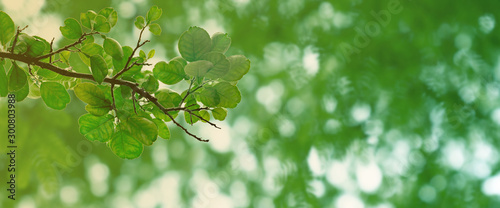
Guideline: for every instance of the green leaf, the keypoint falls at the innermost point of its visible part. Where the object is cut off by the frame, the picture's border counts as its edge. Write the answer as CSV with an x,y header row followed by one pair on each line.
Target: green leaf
x,y
229,95
142,129
198,68
155,29
4,84
181,60
169,73
125,146
7,28
151,85
96,128
86,20
163,130
22,93
168,98
142,54
91,94
99,68
34,90
220,42
151,53
191,117
110,14
17,78
219,113
239,66
113,48
194,43
205,115
119,64
90,50
88,40
35,48
220,62
72,29
101,24
98,110
153,14
45,73
209,97
139,22
54,95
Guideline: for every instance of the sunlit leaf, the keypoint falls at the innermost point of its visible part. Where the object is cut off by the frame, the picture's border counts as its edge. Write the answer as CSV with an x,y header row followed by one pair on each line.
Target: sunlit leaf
x,y
220,42
239,66
113,48
72,29
220,65
125,146
17,78
99,68
139,22
102,24
209,97
96,128
97,110
91,94
151,84
110,14
194,43
141,129
198,68
7,28
153,14
219,113
155,29
163,130
54,95
169,73
229,95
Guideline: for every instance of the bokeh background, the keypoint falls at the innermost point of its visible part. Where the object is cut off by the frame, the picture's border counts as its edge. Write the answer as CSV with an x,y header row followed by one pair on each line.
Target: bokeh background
x,y
348,104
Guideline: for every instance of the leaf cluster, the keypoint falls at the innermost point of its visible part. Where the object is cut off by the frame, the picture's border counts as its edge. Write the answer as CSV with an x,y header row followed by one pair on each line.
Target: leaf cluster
x,y
126,108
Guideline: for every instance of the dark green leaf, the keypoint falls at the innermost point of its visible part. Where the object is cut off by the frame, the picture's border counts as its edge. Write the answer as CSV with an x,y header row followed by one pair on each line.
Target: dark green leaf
x,y
194,43
91,94
209,97
229,95
17,78
153,14
4,83
163,130
22,93
125,146
198,68
113,48
220,42
151,84
139,22
90,50
119,64
155,29
220,62
101,24
239,66
7,28
99,68
219,113
97,110
96,128
72,29
169,73
142,129
54,95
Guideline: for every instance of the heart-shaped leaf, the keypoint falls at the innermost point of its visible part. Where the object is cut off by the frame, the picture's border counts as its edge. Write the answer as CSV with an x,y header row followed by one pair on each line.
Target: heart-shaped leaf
x,y
72,29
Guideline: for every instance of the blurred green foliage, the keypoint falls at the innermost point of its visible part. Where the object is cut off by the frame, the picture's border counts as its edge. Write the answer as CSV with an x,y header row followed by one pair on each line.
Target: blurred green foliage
x,y
408,120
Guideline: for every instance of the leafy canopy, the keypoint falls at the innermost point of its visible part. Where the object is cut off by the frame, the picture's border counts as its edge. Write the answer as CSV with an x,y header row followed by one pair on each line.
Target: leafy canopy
x,y
126,108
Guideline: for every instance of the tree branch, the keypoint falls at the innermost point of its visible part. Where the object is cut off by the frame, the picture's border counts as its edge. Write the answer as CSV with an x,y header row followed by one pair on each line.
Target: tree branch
x,y
65,48
134,86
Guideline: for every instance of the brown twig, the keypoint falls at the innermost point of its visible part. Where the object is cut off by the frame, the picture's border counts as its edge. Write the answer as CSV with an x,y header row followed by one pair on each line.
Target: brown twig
x,y
15,38
65,48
